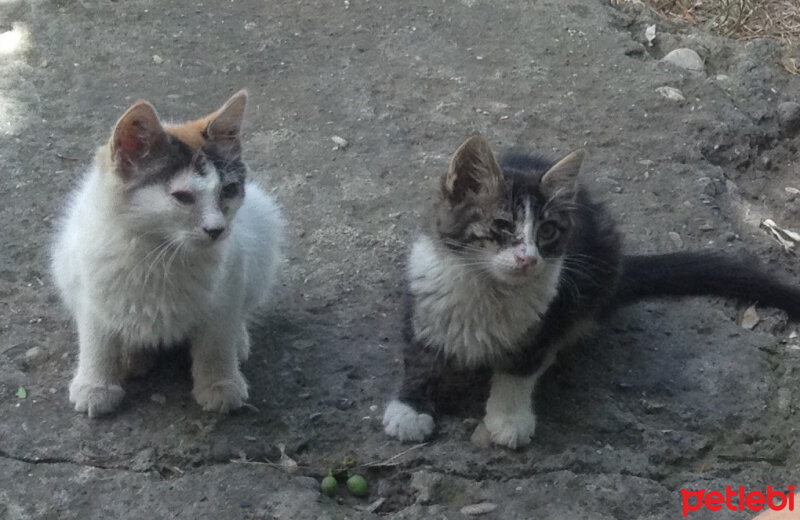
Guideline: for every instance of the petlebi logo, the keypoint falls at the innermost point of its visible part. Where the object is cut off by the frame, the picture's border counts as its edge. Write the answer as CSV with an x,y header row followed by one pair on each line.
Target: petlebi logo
x,y
738,499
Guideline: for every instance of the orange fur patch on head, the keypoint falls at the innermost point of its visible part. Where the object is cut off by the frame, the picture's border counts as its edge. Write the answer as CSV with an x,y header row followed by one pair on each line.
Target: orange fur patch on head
x,y
191,133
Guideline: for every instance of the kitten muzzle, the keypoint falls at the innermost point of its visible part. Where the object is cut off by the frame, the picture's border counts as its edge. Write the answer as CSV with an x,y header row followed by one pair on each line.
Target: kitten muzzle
x,y
214,233
525,261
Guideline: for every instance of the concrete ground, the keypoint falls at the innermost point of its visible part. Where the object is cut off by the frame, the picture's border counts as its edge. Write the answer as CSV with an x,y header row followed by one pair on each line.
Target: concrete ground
x,y
665,396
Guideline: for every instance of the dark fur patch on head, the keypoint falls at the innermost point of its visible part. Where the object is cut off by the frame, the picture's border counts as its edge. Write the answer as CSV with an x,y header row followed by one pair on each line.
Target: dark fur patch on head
x,y
553,213
495,218
166,158
144,152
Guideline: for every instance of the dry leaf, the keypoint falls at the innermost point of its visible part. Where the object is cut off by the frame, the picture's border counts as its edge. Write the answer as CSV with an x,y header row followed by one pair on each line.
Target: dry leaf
x,y
650,34
750,318
786,237
791,64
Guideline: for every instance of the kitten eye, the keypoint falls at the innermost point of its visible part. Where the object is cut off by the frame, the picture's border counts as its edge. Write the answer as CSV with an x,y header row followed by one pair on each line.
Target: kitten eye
x,y
504,225
230,191
184,197
547,232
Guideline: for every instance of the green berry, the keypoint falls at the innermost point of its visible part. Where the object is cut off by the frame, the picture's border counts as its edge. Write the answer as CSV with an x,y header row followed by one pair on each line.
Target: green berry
x,y
357,485
329,485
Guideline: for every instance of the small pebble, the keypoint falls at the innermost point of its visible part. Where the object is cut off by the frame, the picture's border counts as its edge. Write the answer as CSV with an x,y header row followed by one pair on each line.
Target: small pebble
x,y
750,318
340,142
33,353
478,509
158,60
671,93
685,59
307,482
676,239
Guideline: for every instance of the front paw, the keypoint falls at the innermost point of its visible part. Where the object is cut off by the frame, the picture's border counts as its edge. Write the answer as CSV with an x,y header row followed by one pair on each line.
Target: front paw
x,y
221,396
406,424
94,398
510,430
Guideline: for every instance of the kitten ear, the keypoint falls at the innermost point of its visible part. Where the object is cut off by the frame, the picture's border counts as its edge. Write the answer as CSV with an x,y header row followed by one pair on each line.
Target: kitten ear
x,y
473,169
225,125
562,178
135,135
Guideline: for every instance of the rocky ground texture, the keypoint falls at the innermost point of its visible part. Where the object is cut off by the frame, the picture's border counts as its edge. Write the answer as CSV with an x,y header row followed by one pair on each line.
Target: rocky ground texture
x,y
665,396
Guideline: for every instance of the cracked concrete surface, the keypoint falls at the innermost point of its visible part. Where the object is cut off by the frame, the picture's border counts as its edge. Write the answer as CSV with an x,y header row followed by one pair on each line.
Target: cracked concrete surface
x,y
665,396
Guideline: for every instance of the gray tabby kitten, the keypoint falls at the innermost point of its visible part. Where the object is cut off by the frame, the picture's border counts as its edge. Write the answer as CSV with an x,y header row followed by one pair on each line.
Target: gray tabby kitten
x,y
519,262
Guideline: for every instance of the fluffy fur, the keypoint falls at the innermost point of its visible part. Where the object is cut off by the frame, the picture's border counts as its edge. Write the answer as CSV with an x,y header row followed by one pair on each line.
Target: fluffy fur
x,y
519,263
165,241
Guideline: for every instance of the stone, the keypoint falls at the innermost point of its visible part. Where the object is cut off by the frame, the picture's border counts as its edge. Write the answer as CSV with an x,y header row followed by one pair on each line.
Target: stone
x,y
685,59
789,117
676,239
671,93
33,353
478,509
307,482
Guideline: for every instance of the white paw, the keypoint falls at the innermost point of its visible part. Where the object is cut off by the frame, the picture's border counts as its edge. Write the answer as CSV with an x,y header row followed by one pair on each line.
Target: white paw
x,y
94,398
405,423
511,430
222,396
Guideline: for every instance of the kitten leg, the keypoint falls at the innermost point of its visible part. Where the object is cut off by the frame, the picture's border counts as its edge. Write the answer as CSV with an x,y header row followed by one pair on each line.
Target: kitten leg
x,y
243,350
96,388
409,417
219,385
509,410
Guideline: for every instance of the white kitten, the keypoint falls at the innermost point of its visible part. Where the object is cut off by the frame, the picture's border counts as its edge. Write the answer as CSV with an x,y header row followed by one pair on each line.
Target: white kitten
x,y
165,241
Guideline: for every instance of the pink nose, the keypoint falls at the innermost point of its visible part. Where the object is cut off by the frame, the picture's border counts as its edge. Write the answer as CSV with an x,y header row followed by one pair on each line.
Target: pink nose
x,y
525,260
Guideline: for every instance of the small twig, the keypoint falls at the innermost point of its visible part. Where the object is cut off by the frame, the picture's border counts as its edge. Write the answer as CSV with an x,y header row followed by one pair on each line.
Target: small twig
x,y
388,462
259,463
66,157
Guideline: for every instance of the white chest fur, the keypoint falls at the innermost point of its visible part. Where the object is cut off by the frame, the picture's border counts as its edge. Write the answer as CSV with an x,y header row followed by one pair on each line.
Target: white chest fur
x,y
152,300
146,293
472,317
143,292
